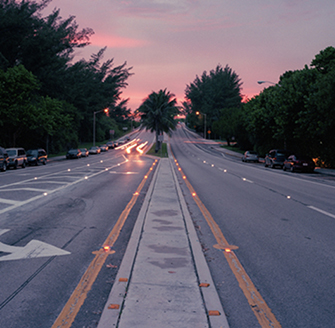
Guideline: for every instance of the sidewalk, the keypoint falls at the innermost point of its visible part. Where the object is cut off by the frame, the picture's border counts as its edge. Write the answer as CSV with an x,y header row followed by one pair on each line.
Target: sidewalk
x,y
158,283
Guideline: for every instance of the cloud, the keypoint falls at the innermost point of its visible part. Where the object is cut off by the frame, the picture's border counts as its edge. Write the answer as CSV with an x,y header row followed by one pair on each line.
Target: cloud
x,y
154,8
113,41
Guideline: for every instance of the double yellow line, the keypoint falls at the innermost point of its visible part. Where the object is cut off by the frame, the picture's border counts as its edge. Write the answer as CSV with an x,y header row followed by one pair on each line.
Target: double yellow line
x,y
259,307
73,305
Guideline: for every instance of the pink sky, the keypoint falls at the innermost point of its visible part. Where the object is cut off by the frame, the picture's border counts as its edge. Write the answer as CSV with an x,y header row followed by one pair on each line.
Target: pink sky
x,y
169,42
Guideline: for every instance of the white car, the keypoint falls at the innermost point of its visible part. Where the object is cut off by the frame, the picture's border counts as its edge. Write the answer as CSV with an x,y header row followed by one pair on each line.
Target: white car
x,y
250,156
16,157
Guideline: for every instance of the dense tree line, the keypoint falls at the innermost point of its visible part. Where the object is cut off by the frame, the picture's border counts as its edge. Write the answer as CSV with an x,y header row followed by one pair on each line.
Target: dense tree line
x,y
47,100
208,95
298,113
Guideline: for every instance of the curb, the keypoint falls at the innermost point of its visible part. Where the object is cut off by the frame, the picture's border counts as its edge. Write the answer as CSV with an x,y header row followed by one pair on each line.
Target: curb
x,y
210,295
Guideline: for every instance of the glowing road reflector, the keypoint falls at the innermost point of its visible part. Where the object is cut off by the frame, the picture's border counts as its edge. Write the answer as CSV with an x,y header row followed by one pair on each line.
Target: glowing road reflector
x,y
69,170
45,194
101,161
113,306
194,194
179,169
229,248
288,197
106,248
106,169
145,177
225,171
86,178
184,177
35,178
212,165
88,164
214,313
136,193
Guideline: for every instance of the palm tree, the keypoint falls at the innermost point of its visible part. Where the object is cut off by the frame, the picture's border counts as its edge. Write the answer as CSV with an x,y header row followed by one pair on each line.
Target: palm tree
x,y
158,113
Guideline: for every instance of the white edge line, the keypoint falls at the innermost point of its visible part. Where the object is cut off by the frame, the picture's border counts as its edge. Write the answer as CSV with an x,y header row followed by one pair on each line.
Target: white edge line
x,y
321,211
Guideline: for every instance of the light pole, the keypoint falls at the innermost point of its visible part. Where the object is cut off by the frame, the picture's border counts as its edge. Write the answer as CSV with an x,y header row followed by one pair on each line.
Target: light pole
x,y
99,111
261,82
205,132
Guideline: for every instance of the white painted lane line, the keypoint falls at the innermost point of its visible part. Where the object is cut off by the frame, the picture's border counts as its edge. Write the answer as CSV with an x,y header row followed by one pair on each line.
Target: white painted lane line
x,y
2,231
9,201
26,189
322,211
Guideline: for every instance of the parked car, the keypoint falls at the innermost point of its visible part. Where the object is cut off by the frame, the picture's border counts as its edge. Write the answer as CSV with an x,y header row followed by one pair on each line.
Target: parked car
x,y
36,156
16,157
276,157
299,163
84,152
103,147
73,153
94,150
250,156
110,144
3,159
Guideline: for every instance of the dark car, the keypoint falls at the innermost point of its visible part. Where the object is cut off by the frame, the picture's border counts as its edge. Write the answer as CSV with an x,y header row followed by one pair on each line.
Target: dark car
x,y
16,157
250,156
37,156
3,159
276,157
73,153
299,163
84,152
110,144
103,147
94,150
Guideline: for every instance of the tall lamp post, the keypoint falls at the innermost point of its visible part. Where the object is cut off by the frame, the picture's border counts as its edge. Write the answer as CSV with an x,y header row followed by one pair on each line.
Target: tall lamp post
x,y
261,82
205,132
99,111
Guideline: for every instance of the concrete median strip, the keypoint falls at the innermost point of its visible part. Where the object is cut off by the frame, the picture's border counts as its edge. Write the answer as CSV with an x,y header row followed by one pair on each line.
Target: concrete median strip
x,y
163,280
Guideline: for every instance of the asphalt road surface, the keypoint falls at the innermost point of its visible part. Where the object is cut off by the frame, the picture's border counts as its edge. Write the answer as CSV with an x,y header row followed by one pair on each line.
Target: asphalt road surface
x,y
55,219
283,225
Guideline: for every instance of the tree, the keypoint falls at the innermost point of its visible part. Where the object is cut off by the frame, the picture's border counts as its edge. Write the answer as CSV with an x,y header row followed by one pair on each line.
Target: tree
x,y
212,92
158,113
44,47
18,99
227,125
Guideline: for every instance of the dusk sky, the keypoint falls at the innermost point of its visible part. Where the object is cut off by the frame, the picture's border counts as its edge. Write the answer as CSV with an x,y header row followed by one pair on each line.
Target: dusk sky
x,y
169,42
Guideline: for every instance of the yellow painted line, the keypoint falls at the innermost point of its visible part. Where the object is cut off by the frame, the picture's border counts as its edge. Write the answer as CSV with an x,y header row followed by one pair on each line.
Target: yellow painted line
x,y
73,305
259,307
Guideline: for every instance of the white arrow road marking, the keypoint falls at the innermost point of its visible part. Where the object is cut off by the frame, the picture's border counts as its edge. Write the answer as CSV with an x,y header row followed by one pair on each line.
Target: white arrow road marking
x,y
33,249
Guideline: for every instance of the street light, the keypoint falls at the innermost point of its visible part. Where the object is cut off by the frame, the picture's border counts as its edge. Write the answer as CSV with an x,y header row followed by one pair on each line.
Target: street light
x,y
261,82
99,111
205,132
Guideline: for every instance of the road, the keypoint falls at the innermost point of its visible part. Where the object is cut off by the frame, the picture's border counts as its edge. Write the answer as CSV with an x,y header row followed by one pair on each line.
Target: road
x,y
55,219
283,225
